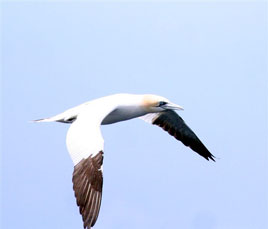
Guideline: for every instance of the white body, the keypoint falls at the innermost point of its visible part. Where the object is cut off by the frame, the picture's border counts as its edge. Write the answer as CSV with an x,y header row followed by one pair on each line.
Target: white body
x,y
84,135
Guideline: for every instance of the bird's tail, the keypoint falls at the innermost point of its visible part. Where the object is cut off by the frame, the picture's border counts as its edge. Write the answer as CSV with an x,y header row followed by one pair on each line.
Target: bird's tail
x,y
58,118
45,120
68,116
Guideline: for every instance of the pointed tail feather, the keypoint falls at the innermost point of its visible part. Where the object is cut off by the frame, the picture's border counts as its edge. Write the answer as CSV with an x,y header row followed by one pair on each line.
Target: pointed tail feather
x,y
44,120
57,118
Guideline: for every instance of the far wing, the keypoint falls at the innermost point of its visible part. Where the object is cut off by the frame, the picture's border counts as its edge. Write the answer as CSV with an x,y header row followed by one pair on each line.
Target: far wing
x,y
171,122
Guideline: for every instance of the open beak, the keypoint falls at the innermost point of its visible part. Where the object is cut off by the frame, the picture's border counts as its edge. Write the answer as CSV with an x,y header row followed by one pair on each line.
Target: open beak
x,y
173,106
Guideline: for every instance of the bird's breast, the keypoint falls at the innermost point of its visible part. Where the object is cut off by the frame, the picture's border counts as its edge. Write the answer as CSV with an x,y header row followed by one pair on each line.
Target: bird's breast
x,y
123,113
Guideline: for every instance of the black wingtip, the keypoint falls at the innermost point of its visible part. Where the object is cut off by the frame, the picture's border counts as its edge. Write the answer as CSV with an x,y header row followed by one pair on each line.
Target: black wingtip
x,y
211,157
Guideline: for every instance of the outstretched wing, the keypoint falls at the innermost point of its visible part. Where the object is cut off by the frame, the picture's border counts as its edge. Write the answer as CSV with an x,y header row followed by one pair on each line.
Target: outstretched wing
x,y
171,122
87,185
85,145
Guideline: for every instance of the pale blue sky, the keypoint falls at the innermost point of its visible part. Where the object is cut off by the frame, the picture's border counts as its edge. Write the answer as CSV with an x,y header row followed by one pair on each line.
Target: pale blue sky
x,y
210,58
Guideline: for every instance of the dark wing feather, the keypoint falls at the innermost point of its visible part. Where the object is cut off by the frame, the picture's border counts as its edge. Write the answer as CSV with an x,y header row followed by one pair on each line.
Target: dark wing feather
x,y
87,185
171,122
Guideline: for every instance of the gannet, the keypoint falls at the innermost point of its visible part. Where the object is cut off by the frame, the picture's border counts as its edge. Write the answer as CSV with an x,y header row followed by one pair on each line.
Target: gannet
x,y
85,142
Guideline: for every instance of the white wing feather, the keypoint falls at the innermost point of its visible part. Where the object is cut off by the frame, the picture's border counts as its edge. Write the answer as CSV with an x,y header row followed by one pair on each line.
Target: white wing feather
x,y
149,118
84,136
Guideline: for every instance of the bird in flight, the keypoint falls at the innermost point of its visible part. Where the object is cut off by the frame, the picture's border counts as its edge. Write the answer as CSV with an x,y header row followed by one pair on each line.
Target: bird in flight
x,y
85,142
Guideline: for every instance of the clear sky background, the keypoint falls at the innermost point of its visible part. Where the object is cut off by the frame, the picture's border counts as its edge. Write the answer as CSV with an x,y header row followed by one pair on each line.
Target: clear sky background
x,y
210,58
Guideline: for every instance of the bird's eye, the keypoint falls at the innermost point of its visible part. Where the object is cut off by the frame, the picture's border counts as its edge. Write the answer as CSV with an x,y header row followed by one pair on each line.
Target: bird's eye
x,y
162,103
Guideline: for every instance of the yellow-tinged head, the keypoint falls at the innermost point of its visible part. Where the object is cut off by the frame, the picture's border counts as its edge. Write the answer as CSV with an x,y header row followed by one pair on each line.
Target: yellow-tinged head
x,y
155,103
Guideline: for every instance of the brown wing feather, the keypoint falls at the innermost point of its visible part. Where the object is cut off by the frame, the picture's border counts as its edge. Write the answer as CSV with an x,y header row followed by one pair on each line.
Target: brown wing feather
x,y
171,122
87,185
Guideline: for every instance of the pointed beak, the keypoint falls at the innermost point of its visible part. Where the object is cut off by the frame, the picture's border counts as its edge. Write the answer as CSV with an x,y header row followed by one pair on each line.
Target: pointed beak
x,y
173,106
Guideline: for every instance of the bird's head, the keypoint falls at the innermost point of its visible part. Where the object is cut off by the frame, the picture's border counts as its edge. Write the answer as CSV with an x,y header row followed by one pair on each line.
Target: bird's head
x,y
155,103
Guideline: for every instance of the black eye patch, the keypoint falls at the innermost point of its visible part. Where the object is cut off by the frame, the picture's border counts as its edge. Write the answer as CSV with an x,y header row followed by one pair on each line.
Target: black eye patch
x,y
162,103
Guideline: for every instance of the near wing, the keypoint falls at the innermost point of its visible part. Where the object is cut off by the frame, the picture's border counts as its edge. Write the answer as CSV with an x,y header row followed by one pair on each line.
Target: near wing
x,y
171,122
87,185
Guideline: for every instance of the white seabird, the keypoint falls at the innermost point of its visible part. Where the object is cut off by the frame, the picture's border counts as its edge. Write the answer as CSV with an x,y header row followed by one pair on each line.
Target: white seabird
x,y
85,142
